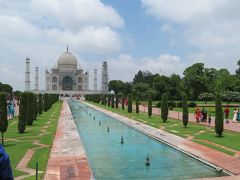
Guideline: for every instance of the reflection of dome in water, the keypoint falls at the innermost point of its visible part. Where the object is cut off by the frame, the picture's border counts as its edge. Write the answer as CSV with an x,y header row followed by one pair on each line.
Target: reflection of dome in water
x,y
67,60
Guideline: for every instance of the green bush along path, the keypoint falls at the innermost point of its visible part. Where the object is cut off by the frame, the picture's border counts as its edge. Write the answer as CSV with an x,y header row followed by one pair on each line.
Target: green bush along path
x,y
37,137
195,132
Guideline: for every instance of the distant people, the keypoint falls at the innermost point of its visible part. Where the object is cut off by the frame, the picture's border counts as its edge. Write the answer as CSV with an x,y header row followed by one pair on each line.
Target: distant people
x,y
126,101
226,113
238,116
209,120
5,168
197,114
235,115
204,115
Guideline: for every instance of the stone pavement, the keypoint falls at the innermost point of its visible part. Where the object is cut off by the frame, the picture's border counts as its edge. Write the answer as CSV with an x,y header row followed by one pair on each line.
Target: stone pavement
x,y
68,160
218,159
232,126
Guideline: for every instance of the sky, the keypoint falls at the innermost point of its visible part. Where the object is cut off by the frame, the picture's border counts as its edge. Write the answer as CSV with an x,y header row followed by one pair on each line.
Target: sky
x,y
161,36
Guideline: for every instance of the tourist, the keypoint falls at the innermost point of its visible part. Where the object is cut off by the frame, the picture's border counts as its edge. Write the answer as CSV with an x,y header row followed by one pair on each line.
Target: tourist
x,y
197,114
204,115
235,115
209,120
5,168
226,112
238,116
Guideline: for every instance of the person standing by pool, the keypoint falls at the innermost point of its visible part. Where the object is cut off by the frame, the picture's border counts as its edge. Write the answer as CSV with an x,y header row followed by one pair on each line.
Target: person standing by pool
x,y
235,115
226,113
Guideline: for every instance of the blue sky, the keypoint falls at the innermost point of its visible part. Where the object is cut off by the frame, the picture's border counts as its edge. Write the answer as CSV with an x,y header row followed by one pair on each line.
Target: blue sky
x,y
162,36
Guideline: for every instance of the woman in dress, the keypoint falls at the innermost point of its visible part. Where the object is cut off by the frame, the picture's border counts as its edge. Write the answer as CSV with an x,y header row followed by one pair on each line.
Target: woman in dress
x,y
235,115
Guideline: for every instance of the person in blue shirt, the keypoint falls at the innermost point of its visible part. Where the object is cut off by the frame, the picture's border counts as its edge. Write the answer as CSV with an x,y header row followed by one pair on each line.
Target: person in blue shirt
x,y
5,168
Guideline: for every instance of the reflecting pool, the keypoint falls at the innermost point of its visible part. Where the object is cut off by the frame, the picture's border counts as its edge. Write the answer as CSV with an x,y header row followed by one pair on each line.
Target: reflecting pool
x,y
111,159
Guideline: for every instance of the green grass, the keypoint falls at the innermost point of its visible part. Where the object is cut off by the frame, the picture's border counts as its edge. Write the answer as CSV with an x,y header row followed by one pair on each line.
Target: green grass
x,y
197,131
16,145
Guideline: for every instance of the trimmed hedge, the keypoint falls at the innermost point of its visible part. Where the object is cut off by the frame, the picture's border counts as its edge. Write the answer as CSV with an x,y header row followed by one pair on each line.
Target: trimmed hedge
x,y
3,115
164,107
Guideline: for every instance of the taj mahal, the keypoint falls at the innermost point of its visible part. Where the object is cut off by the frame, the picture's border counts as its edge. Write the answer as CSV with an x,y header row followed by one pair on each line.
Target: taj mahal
x,y
67,76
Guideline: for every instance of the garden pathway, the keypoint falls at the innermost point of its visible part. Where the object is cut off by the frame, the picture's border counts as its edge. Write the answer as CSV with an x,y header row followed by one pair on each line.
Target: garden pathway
x,y
233,126
68,159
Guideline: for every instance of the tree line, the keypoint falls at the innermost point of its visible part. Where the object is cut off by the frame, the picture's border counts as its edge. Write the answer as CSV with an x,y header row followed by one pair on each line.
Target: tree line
x,y
196,80
31,106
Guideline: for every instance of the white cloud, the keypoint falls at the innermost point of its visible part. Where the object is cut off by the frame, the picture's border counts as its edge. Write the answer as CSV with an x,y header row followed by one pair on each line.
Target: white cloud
x,y
125,66
42,30
210,27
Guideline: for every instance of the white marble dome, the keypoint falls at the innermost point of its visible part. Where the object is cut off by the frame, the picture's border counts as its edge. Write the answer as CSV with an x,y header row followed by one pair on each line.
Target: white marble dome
x,y
67,60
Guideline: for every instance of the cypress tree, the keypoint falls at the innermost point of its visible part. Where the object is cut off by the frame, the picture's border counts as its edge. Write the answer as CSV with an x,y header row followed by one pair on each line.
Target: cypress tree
x,y
40,104
45,102
129,103
123,98
149,105
30,109
137,105
35,107
164,107
23,113
218,117
3,115
117,101
185,111
109,100
112,101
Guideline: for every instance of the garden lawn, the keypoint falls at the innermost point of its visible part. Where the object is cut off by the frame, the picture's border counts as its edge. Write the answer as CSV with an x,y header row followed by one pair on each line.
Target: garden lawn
x,y
42,131
198,133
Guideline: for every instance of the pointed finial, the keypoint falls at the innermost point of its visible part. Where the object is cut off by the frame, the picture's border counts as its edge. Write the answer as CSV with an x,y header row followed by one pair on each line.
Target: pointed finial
x,y
67,48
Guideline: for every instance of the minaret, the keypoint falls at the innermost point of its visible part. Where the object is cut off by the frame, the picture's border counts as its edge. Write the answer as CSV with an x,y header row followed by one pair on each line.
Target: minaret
x,y
27,75
36,79
95,80
104,77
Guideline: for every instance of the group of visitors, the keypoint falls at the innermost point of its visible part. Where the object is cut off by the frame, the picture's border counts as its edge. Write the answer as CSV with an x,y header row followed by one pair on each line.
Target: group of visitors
x,y
201,115
11,107
236,115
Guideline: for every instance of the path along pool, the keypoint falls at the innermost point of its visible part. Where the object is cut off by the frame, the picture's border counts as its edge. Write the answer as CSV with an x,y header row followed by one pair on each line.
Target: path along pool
x,y
109,159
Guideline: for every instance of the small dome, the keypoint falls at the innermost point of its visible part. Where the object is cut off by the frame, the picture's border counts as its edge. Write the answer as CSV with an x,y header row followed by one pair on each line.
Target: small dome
x,y
67,60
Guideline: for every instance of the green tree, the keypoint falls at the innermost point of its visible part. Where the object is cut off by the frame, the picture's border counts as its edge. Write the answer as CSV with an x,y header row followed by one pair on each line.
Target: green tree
x,y
6,88
35,107
143,77
164,107
218,116
238,69
127,88
3,115
149,105
185,111
116,86
30,109
141,90
40,104
117,101
129,103
23,112
109,100
112,101
45,102
137,105
123,101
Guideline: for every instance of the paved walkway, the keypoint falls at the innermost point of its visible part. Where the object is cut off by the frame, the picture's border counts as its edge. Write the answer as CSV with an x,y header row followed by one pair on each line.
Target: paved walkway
x,y
211,156
233,126
68,160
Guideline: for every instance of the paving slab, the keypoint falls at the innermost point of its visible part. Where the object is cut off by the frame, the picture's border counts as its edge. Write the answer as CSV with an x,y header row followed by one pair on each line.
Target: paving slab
x,y
68,160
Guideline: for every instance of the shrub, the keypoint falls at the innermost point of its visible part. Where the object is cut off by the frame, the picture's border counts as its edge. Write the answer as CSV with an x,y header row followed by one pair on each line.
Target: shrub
x,y
149,106
3,115
123,101
172,104
218,117
130,103
112,101
40,104
159,104
185,111
192,104
23,113
179,104
45,102
164,107
117,101
35,107
206,97
109,100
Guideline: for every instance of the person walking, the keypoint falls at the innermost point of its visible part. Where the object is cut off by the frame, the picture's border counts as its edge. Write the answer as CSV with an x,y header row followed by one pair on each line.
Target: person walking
x,y
197,115
226,113
238,116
